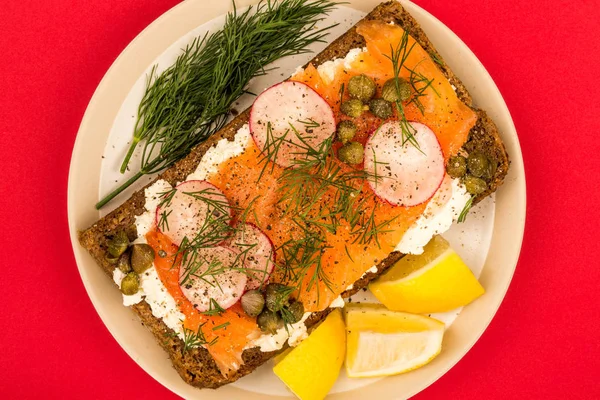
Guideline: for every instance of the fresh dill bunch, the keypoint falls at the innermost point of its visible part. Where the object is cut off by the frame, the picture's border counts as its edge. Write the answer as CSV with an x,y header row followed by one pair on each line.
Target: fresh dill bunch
x,y
191,100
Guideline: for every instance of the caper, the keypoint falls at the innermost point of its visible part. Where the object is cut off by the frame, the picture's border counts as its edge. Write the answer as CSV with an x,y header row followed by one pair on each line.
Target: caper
x,y
142,256
457,166
351,153
391,92
277,296
124,262
253,302
361,87
269,321
296,311
381,108
111,259
478,164
475,185
130,284
118,244
346,131
353,108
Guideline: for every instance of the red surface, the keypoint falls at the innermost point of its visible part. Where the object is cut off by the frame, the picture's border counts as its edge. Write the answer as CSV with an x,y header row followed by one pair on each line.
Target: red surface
x,y
544,56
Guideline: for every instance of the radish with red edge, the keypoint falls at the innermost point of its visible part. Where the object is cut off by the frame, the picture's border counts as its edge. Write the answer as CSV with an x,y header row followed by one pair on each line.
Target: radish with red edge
x,y
213,274
282,106
184,213
257,252
403,174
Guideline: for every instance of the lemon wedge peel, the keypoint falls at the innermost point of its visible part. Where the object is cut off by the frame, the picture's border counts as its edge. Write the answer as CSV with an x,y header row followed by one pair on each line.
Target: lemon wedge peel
x,y
442,284
312,368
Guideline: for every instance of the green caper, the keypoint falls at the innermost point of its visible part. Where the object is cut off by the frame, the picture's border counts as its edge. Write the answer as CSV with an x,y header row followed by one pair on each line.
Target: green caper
x,y
253,302
118,244
277,296
457,166
111,260
269,321
351,153
346,131
392,93
296,311
130,284
478,164
353,108
381,108
361,87
475,185
124,262
142,256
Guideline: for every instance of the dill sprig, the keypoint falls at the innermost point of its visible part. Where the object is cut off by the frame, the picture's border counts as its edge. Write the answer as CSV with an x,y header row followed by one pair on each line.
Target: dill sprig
x,y
419,83
436,58
214,309
222,326
398,57
463,214
192,340
190,100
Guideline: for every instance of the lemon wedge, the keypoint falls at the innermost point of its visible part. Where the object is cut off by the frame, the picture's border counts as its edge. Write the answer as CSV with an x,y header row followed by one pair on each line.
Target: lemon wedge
x,y
382,342
310,369
435,281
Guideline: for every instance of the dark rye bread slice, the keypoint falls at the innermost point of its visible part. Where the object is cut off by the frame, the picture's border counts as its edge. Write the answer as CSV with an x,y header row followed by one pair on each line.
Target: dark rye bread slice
x,y
197,367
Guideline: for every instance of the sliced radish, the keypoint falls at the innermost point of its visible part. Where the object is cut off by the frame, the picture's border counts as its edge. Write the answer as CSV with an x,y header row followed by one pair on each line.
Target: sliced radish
x,y
406,176
186,213
282,106
257,252
211,276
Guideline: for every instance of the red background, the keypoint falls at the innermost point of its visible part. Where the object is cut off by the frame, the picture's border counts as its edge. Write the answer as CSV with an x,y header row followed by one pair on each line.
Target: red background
x,y
543,55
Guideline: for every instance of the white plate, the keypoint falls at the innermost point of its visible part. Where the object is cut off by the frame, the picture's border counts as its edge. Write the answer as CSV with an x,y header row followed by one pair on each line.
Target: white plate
x,y
489,245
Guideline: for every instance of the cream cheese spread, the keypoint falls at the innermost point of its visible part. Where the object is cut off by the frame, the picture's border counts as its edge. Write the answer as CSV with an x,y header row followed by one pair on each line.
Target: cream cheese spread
x,y
434,220
328,69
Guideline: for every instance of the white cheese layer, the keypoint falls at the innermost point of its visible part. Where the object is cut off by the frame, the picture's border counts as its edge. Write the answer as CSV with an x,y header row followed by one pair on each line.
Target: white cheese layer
x,y
161,303
223,151
293,334
434,220
145,222
328,69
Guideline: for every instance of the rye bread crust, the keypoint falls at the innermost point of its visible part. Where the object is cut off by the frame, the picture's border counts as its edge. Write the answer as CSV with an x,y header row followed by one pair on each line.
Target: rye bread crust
x,y
197,367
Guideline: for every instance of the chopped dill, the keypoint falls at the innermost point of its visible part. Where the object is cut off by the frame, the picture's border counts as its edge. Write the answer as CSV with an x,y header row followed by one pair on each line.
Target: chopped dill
x,y
192,340
214,309
222,326
463,214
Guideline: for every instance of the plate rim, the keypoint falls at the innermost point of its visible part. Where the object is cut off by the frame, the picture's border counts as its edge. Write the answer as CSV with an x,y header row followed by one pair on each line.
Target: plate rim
x,y
126,55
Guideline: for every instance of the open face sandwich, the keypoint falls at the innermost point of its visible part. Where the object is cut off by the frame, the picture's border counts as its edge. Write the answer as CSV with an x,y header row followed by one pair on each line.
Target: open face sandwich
x,y
314,191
